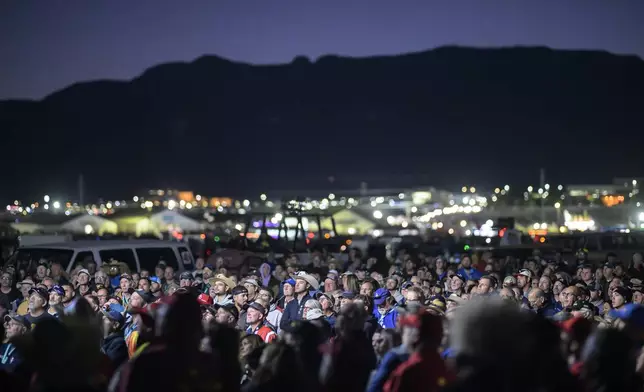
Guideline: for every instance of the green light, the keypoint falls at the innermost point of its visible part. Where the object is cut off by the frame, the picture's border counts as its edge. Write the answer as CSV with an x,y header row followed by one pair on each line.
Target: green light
x,y
466,247
217,238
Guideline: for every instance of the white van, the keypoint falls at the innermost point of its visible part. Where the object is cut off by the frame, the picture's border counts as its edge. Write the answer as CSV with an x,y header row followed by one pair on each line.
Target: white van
x,y
137,254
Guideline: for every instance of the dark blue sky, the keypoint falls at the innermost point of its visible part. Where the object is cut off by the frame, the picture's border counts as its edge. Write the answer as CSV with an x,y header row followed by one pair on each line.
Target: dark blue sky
x,y
46,45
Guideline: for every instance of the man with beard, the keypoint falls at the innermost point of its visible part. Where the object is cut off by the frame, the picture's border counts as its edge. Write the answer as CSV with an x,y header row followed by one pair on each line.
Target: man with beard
x,y
56,295
70,294
220,287
240,300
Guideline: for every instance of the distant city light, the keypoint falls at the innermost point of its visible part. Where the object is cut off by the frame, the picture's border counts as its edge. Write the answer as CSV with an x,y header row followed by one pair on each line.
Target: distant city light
x,y
46,198
464,189
262,197
472,189
530,188
331,196
88,229
463,223
135,199
56,205
560,187
377,214
557,205
46,206
506,188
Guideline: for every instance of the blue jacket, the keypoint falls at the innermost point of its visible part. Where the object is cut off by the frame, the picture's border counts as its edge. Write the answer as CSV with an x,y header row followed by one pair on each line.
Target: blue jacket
x,y
293,311
547,311
471,273
389,319
388,364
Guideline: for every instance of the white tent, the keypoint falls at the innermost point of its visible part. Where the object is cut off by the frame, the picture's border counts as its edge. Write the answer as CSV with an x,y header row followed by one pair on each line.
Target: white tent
x,y
169,220
90,224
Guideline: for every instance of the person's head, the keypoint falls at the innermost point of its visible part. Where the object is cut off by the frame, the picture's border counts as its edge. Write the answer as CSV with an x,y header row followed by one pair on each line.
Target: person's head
x,y
227,315
83,277
255,314
137,300
384,340
252,286
16,326
330,283
248,343
391,283
301,286
586,273
466,262
507,294
524,278
309,305
69,292
102,294
558,286
457,283
545,284
26,286
638,296
38,299
366,288
265,294
113,319
185,279
124,283
6,280
56,269
327,302
100,278
144,284
41,271
620,297
537,299
240,295
289,288
486,285
414,296
56,295
568,296
383,300
168,274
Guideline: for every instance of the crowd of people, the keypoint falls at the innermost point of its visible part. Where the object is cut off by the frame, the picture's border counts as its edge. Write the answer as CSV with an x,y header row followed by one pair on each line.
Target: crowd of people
x,y
415,323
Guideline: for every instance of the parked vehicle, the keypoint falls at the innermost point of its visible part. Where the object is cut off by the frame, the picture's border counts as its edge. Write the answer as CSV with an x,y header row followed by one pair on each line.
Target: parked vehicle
x,y
137,254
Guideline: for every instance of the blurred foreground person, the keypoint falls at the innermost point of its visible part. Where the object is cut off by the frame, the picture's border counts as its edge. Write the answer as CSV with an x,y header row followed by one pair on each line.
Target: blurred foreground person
x,y
349,359
425,369
278,366
485,361
609,358
173,361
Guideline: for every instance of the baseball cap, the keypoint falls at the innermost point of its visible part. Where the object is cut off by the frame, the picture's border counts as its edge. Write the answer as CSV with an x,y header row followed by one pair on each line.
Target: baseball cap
x,y
459,276
380,296
289,281
58,290
146,296
239,290
19,319
251,281
258,307
155,279
327,296
204,299
84,271
630,313
115,313
186,275
511,280
230,308
41,292
525,272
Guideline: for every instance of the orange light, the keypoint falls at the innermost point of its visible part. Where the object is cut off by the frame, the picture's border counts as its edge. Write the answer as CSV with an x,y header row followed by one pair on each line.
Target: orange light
x,y
349,242
327,235
202,236
310,235
542,240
